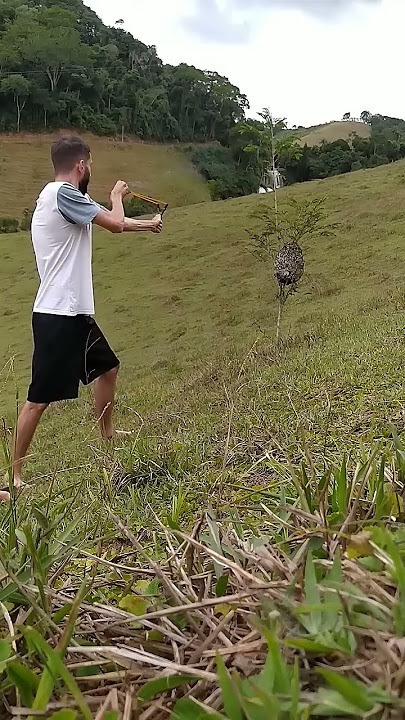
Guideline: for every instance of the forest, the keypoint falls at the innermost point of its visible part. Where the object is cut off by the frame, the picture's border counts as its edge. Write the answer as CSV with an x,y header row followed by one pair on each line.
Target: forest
x,y
61,66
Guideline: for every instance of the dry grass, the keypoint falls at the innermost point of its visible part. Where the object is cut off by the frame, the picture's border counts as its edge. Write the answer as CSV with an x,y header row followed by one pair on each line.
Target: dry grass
x,y
162,171
336,131
301,589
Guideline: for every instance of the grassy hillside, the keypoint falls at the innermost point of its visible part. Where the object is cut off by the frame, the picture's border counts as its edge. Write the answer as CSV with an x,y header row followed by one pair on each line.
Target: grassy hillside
x,y
161,171
163,300
334,131
291,448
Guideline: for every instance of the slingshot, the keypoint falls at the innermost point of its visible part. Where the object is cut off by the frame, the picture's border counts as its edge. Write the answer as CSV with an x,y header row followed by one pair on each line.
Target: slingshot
x,y
159,203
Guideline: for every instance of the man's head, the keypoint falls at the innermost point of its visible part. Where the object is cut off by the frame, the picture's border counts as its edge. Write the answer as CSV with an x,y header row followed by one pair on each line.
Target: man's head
x,y
71,156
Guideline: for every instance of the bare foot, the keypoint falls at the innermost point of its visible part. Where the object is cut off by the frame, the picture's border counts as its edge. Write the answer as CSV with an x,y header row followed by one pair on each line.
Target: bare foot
x,y
4,496
119,434
17,482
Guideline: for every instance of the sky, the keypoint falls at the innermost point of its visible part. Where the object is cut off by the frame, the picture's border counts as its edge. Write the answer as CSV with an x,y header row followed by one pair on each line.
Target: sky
x,y
310,61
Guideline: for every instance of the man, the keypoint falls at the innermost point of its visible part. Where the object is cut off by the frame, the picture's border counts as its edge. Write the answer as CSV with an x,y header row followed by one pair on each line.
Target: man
x,y
69,347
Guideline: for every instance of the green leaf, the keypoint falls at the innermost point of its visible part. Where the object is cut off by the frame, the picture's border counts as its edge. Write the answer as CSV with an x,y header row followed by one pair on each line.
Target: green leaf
x,y
351,690
173,525
311,584
134,604
295,691
64,715
214,542
399,610
40,517
62,613
111,715
306,485
24,680
153,587
282,679
5,650
57,668
187,709
334,606
330,703
222,586
323,482
317,647
48,678
231,703
84,671
257,701
342,488
161,685
313,623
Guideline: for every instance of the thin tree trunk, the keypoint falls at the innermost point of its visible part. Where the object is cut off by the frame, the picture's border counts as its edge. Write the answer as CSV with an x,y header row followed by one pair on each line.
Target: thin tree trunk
x,y
20,107
280,311
17,102
273,157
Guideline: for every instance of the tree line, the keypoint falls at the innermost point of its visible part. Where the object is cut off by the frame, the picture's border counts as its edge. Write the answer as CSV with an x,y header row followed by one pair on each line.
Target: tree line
x,y
61,66
254,144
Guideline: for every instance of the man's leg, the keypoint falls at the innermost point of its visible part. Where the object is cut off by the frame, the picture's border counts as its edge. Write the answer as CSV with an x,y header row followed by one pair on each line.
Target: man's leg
x,y
27,424
104,394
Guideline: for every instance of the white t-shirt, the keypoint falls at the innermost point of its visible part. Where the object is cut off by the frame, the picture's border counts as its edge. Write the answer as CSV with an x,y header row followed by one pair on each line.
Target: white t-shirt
x,y
62,239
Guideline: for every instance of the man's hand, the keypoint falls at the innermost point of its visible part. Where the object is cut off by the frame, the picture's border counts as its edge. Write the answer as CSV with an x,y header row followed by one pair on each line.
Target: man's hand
x,y
157,224
120,189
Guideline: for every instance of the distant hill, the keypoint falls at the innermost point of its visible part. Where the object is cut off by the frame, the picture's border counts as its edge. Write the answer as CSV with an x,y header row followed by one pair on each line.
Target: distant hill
x,y
334,131
162,171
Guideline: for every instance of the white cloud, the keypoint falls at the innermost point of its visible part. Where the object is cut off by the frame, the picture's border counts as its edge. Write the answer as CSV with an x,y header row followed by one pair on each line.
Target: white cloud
x,y
213,23
302,67
216,21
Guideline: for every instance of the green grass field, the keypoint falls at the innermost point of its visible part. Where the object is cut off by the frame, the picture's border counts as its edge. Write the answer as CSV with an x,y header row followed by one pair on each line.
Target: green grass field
x,y
175,306
160,171
224,418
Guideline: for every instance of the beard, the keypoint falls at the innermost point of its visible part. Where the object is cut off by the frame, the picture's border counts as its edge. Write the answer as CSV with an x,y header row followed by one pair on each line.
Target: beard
x,y
84,182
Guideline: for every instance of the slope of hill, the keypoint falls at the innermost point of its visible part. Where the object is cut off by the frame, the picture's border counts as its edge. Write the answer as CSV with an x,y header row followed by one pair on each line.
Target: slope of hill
x,y
291,447
197,287
334,131
161,171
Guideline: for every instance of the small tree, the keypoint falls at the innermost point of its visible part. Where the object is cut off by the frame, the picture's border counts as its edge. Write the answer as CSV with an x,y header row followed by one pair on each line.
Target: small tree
x,y
347,116
19,87
268,147
366,117
280,239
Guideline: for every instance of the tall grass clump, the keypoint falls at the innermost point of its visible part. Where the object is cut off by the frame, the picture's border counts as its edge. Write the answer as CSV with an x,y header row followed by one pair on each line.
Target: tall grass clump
x,y
289,597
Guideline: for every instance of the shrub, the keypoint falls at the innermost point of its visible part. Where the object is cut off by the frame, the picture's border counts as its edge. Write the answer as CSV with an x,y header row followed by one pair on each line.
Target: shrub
x,y
134,207
357,166
377,160
225,177
9,225
100,124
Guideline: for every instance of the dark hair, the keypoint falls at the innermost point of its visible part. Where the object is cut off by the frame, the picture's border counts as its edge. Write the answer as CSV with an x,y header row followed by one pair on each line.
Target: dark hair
x,y
67,150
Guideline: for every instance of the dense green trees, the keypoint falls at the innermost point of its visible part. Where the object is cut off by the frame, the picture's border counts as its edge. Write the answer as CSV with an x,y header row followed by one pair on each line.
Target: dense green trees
x,y
386,144
59,64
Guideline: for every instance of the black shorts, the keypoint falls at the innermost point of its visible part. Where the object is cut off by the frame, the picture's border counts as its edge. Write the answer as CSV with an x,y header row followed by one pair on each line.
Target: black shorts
x,y
67,351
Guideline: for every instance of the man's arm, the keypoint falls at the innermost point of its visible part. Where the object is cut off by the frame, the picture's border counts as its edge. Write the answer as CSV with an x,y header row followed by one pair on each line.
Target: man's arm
x,y
135,225
114,219
79,209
